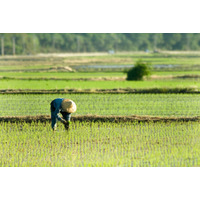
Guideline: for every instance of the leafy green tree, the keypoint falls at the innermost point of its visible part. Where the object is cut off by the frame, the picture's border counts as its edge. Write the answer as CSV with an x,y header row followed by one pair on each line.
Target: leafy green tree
x,y
32,43
140,70
171,40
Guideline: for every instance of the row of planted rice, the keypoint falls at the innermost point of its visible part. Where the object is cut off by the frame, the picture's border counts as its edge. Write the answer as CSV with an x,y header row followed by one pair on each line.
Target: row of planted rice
x,y
100,144
104,104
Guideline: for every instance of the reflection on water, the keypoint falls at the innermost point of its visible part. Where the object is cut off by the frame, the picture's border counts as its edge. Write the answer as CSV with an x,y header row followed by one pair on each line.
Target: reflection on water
x,y
165,66
118,66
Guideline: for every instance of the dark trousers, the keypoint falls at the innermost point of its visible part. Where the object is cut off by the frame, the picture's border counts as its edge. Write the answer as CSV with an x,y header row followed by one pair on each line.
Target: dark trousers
x,y
54,116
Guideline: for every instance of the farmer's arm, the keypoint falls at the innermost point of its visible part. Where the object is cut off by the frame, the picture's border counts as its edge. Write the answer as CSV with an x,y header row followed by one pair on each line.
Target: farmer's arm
x,y
56,112
66,116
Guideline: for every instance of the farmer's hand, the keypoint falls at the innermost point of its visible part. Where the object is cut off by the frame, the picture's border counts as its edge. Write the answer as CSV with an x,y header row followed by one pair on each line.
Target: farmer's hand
x,y
63,121
67,125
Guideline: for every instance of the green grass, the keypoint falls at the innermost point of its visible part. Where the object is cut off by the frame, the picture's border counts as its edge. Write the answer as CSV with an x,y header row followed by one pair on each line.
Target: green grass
x,y
104,104
66,75
79,75
100,145
23,67
175,73
60,84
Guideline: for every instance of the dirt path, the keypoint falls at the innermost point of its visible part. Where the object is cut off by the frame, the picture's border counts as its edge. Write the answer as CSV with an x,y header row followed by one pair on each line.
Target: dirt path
x,y
65,79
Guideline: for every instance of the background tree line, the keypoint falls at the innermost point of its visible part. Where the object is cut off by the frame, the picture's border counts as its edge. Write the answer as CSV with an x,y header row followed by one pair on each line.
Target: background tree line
x,y
31,43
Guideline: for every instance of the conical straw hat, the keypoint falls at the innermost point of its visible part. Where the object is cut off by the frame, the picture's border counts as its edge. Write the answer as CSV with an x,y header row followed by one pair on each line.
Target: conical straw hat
x,y
68,106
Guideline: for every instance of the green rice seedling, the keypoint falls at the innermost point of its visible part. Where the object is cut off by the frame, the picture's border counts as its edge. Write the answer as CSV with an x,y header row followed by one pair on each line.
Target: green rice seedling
x,y
74,84
100,144
104,104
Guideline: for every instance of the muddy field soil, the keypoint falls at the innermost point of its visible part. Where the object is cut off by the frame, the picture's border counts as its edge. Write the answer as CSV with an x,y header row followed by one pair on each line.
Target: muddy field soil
x,y
97,118
104,91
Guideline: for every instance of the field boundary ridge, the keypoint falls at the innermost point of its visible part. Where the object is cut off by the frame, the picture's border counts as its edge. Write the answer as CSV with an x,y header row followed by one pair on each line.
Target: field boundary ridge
x,y
98,118
104,91
63,79
152,77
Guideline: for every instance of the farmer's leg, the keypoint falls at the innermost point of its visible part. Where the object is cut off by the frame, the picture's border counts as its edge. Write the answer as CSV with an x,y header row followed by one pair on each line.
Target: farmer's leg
x,y
53,118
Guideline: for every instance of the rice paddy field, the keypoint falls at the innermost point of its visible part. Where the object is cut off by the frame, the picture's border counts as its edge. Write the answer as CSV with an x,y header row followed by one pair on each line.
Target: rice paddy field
x,y
104,104
73,75
100,143
66,75
55,84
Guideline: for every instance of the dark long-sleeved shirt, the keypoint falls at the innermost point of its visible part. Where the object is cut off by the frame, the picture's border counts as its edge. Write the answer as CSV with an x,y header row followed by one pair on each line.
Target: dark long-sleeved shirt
x,y
56,108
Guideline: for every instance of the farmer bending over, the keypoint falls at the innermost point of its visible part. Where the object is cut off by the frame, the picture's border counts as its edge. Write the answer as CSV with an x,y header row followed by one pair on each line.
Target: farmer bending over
x,y
63,106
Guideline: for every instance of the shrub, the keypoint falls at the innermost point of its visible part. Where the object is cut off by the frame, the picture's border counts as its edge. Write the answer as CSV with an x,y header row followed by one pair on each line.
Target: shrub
x,y
140,70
